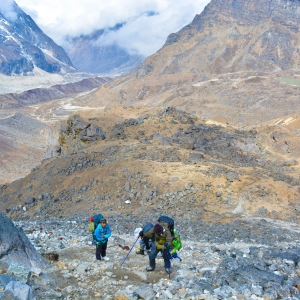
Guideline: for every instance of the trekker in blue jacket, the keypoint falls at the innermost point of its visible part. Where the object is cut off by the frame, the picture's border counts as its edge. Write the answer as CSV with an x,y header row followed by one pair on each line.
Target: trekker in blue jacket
x,y
101,236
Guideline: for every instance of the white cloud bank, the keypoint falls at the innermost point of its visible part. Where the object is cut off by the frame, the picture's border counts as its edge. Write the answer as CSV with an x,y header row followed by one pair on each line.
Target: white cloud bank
x,y
6,8
142,34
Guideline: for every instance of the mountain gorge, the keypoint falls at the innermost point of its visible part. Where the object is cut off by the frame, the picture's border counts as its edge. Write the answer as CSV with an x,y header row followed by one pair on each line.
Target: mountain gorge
x,y
228,60
196,75
206,131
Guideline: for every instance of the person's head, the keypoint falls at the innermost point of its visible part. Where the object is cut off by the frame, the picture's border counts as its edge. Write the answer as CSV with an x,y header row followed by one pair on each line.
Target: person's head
x,y
158,229
103,222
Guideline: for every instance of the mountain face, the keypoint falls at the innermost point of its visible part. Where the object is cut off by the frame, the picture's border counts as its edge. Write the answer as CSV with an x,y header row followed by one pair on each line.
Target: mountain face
x,y
23,46
236,35
232,191
224,65
88,56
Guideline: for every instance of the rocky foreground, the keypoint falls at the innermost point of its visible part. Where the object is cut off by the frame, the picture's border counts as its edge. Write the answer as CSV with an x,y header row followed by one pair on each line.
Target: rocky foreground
x,y
232,194
247,259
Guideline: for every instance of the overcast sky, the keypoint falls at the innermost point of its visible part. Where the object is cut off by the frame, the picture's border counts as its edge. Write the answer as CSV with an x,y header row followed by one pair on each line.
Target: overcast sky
x,y
147,22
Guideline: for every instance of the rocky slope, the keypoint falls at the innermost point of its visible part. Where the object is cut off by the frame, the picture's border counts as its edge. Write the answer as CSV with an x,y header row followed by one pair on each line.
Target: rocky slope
x,y
29,124
168,161
224,164
24,46
225,65
224,261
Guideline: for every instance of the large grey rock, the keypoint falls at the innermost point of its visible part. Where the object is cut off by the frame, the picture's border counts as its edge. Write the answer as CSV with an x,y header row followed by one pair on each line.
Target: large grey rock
x,y
145,292
5,279
158,137
18,272
16,248
20,290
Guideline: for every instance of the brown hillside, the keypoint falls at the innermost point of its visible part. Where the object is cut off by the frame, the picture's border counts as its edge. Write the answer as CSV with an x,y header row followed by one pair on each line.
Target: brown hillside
x,y
227,63
167,161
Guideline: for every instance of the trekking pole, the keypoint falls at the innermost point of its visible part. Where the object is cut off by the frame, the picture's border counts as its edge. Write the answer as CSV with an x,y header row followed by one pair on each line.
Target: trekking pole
x,y
129,251
169,256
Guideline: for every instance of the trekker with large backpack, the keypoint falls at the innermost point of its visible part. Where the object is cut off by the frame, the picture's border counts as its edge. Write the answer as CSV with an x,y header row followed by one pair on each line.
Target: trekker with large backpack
x,y
145,242
94,221
176,241
167,221
162,243
101,235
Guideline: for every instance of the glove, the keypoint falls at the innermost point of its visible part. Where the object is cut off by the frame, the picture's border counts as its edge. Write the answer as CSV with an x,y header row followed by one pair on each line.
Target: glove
x,y
141,234
172,251
167,245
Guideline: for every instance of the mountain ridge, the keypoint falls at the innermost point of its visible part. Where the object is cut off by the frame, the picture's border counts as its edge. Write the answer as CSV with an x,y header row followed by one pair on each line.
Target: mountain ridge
x,y
217,66
24,45
203,131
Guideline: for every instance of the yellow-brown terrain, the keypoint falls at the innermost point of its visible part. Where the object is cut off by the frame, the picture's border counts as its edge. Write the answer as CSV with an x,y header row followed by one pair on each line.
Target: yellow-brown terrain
x,y
153,168
215,130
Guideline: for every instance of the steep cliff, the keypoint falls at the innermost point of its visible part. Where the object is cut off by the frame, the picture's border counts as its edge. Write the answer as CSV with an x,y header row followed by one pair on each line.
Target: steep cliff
x,y
23,45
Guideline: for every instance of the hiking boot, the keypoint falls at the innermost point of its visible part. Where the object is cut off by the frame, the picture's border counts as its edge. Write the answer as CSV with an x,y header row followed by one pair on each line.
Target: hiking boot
x,y
168,270
149,269
105,258
140,251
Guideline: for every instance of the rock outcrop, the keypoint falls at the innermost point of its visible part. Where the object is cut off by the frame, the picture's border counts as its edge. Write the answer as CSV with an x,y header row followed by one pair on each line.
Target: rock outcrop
x,y
16,248
76,133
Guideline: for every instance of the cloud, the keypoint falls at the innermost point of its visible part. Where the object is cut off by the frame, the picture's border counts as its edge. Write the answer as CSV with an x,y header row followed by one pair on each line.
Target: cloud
x,y
7,9
147,23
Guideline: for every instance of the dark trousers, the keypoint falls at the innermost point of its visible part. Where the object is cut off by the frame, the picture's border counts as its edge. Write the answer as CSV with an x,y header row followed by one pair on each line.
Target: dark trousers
x,y
101,251
153,253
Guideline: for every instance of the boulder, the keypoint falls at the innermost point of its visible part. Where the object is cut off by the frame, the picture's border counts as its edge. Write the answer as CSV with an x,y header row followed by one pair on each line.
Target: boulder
x,y
20,290
16,248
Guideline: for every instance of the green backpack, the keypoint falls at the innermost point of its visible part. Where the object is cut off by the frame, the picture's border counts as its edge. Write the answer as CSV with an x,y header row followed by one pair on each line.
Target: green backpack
x,y
177,244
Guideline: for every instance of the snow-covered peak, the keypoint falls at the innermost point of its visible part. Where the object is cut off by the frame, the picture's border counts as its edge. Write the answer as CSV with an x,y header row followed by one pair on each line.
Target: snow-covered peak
x,y
24,46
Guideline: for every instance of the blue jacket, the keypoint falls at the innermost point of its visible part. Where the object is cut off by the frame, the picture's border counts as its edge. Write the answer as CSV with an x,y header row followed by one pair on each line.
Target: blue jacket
x,y
102,234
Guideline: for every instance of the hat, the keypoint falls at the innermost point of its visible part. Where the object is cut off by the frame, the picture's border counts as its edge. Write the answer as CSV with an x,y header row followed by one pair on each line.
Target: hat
x,y
103,220
91,219
158,229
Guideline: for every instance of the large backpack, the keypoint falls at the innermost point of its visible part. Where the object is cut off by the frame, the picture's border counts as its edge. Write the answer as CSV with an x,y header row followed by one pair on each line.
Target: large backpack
x,y
169,221
177,240
93,225
97,218
147,227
